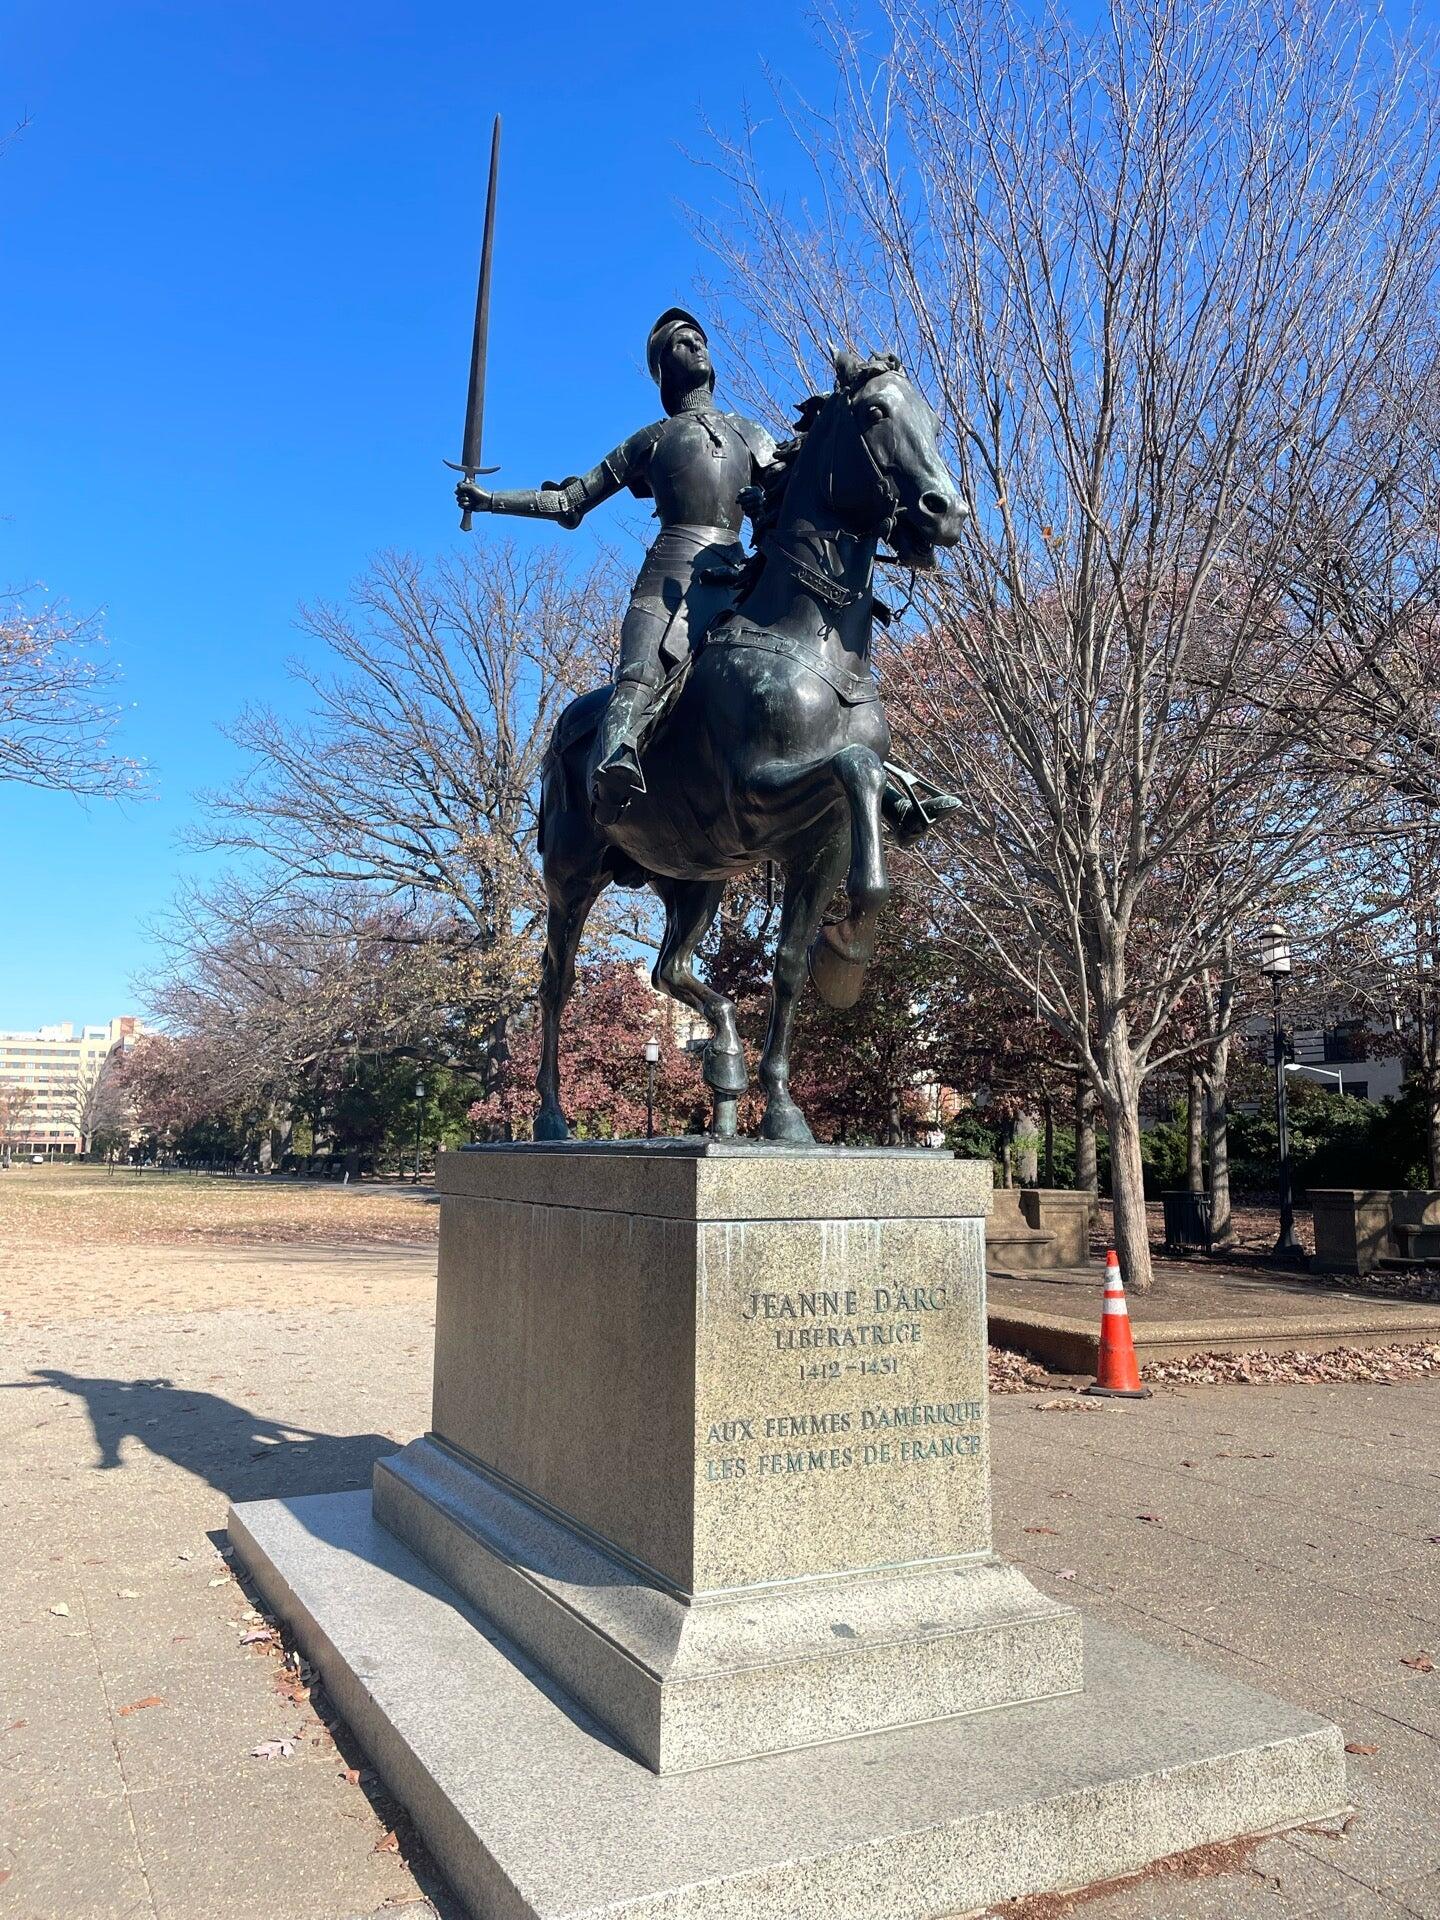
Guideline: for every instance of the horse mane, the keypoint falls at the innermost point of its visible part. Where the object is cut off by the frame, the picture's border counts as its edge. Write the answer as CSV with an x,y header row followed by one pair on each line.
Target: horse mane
x,y
765,501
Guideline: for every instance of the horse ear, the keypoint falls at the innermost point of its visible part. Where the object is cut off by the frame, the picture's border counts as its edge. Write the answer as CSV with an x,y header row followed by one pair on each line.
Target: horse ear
x,y
846,367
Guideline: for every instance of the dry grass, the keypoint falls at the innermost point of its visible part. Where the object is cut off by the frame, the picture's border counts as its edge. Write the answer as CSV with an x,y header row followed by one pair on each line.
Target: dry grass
x,y
63,1207
76,1243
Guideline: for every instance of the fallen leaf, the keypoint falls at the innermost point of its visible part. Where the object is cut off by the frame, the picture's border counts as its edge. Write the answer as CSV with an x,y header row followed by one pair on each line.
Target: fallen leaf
x,y
1066,1573
1359,1746
5,1873
1187,1463
388,1843
61,1608
351,1776
1054,1530
15,1726
1422,1663
139,1706
273,1750
220,1580
126,1593
256,1637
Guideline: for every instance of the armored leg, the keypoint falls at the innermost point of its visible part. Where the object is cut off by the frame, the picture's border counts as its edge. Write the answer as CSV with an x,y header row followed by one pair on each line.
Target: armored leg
x,y
618,778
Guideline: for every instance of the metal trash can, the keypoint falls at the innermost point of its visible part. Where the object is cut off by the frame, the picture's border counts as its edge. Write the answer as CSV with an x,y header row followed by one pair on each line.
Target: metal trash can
x,y
1187,1220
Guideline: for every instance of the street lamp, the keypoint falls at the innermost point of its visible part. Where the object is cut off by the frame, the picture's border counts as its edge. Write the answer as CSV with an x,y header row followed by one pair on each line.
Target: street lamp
x,y
419,1110
1275,961
652,1058
1337,1074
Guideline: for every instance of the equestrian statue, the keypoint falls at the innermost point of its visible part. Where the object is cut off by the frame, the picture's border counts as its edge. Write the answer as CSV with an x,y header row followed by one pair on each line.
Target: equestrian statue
x,y
745,725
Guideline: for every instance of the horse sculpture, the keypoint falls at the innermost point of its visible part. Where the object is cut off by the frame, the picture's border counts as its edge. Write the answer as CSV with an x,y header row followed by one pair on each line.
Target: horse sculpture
x,y
773,745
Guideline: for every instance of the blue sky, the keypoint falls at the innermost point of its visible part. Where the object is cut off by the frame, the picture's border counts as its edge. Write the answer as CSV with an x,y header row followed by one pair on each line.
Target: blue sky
x,y
240,249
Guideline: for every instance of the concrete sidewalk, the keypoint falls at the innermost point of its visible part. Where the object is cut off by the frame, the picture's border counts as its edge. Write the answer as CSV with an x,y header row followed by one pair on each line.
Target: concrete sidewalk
x,y
1289,1536
1198,1308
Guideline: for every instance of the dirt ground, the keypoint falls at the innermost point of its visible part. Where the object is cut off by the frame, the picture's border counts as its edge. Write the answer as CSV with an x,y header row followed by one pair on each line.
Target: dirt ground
x,y
194,1242
172,1343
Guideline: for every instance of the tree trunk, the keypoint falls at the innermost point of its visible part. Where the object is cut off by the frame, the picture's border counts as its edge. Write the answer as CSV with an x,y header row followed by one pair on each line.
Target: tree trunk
x,y
1127,1178
1195,1134
1432,1137
1027,1149
1217,1116
1087,1177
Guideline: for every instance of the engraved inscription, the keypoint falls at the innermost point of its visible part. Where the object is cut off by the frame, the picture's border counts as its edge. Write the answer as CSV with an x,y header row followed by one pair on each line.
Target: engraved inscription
x,y
872,1332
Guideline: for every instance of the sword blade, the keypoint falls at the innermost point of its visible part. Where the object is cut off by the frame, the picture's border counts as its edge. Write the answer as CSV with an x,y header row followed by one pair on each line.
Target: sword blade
x,y
470,451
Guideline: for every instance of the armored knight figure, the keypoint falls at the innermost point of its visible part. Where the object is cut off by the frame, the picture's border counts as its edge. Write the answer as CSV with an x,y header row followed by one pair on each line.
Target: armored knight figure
x,y
694,464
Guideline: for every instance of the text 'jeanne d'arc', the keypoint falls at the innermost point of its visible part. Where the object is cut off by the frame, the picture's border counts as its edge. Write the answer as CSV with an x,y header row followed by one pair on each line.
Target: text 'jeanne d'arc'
x,y
840,1303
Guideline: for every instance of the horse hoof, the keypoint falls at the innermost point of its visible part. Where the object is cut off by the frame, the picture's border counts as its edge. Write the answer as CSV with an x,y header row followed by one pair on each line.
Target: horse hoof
x,y
550,1124
786,1123
839,981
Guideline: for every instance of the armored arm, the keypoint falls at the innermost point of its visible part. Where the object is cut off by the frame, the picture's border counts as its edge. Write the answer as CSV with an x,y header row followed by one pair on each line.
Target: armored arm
x,y
572,499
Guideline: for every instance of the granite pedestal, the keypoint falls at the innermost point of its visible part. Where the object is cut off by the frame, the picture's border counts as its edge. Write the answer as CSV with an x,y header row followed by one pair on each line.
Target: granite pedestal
x,y
708,1488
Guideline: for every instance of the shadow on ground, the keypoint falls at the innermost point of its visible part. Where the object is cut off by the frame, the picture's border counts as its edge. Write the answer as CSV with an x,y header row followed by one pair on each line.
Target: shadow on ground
x,y
241,1454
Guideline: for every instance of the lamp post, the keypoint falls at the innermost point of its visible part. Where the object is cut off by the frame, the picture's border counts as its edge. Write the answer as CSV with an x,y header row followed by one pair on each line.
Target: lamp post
x,y
1337,1074
419,1110
652,1058
1275,962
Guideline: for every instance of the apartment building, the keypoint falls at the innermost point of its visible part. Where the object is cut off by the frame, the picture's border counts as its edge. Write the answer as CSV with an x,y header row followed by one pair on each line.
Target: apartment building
x,y
48,1082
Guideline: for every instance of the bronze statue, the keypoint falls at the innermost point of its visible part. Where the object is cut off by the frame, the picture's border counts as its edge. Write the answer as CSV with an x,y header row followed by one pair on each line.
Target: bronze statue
x,y
694,464
745,725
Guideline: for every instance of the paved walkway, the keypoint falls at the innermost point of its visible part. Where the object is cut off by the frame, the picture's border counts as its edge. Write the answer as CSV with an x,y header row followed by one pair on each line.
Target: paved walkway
x,y
1293,1540
1198,1308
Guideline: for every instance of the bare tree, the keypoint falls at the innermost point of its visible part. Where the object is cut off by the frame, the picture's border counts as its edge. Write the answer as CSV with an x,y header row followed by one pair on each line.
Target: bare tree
x,y
55,718
1150,271
16,1106
98,1105
1382,962
271,988
415,774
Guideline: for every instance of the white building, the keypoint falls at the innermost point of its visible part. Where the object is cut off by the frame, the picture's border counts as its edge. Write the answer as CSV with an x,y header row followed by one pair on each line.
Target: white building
x,y
48,1084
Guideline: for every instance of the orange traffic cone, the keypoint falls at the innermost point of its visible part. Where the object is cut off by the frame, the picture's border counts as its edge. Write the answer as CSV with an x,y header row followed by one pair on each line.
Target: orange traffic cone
x,y
1117,1376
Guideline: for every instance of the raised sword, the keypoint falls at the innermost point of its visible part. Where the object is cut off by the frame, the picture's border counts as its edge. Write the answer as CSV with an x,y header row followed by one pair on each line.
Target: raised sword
x,y
470,448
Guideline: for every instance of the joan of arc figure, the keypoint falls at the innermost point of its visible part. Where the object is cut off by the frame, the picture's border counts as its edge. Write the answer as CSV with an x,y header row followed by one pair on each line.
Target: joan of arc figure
x,y
693,464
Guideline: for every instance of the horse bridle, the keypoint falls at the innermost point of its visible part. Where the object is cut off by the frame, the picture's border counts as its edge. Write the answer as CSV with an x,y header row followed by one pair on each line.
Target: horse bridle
x,y
819,585
884,479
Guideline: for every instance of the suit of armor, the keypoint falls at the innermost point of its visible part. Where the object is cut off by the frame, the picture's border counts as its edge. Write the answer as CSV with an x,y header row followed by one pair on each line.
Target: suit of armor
x,y
693,464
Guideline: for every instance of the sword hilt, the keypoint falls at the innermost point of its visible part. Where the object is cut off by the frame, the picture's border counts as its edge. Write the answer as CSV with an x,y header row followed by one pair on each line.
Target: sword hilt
x,y
468,473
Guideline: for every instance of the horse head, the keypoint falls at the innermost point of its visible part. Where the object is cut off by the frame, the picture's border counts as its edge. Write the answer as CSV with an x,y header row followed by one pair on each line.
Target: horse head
x,y
894,473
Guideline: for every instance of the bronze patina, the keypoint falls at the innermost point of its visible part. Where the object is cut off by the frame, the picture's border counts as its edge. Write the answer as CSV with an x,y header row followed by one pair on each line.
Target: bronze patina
x,y
745,725
694,464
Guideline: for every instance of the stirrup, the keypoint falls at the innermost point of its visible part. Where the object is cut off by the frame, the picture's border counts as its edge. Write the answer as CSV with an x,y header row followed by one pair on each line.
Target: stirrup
x,y
919,804
616,783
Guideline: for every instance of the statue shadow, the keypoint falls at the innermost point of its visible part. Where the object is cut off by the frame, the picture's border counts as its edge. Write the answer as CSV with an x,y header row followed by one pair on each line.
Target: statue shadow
x,y
241,1454
245,1456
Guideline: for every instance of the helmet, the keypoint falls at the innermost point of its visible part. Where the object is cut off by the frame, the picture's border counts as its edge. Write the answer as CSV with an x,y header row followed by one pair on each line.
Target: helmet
x,y
660,333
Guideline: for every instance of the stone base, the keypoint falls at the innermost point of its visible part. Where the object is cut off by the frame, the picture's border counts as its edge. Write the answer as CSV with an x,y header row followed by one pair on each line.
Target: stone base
x,y
533,1810
687,1684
